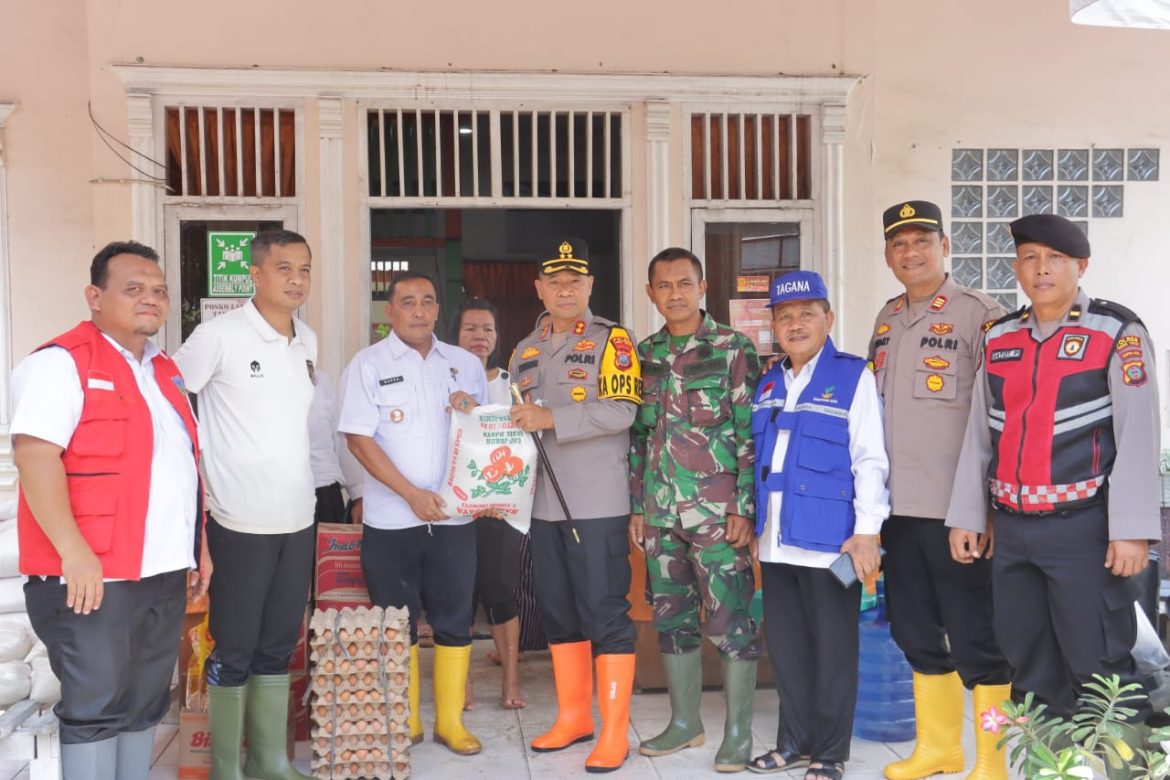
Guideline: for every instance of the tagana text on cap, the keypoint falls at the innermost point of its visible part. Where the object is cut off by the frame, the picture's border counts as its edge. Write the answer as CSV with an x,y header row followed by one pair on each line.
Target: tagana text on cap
x,y
799,286
921,214
1056,232
572,255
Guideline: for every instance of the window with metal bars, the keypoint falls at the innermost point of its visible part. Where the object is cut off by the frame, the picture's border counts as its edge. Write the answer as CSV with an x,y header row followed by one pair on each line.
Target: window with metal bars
x,y
750,157
416,153
231,151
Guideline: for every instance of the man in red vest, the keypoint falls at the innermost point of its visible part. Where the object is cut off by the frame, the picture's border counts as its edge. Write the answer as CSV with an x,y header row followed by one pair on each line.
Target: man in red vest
x,y
109,515
1063,439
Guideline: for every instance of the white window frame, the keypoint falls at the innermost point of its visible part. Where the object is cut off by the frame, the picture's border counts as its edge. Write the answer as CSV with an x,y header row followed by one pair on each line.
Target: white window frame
x,y
7,470
659,94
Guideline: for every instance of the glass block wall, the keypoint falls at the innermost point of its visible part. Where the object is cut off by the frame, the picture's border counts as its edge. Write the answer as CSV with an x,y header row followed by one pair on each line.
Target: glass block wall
x,y
991,187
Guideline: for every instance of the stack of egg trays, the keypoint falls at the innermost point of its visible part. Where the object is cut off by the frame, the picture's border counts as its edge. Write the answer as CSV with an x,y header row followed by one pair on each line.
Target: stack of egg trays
x,y
359,675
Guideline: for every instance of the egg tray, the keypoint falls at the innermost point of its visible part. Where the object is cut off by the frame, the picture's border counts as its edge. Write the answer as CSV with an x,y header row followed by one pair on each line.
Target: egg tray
x,y
360,705
374,770
323,744
393,653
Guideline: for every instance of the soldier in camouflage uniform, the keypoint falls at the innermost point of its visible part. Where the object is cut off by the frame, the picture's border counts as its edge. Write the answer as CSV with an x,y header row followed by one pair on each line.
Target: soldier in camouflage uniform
x,y
691,494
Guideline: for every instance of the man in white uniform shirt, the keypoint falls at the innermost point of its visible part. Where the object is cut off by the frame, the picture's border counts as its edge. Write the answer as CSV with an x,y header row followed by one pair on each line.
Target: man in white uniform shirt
x,y
821,471
108,514
396,410
253,370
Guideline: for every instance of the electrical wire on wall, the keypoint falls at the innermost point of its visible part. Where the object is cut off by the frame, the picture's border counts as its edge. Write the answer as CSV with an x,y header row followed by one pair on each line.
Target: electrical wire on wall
x,y
106,136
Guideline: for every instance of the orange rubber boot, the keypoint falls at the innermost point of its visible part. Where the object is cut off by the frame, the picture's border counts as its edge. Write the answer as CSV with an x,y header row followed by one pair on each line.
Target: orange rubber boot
x,y
615,683
573,672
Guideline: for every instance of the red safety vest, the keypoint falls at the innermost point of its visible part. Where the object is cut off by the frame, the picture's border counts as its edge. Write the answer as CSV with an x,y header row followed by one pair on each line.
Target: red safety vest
x,y
108,460
1049,409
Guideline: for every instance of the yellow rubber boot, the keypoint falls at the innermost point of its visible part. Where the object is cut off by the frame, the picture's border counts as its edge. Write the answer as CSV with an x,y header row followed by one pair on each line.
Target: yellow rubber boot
x,y
938,717
573,674
990,762
412,693
450,686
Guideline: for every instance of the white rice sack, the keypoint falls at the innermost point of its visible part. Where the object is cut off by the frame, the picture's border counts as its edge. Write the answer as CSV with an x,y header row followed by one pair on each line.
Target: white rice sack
x,y
38,650
9,550
11,595
45,688
491,467
15,682
15,641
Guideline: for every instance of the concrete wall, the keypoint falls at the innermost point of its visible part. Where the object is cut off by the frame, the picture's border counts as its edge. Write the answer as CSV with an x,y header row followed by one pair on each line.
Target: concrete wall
x,y
935,76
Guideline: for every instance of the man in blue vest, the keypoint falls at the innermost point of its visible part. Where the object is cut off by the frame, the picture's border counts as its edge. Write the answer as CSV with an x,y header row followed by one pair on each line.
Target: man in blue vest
x,y
821,492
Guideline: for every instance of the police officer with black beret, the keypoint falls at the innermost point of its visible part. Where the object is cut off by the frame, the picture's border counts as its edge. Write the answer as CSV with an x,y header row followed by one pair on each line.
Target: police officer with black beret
x,y
1063,439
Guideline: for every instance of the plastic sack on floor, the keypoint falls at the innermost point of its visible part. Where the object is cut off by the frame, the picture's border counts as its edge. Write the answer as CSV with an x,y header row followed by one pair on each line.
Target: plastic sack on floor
x,y
15,641
491,467
15,682
44,686
1148,652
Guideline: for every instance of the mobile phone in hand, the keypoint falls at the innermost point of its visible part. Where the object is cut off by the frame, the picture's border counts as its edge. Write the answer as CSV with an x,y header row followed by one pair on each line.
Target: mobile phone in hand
x,y
843,570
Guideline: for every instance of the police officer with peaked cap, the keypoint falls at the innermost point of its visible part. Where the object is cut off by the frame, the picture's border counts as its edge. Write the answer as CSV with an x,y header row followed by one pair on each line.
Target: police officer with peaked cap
x,y
926,346
581,382
1063,435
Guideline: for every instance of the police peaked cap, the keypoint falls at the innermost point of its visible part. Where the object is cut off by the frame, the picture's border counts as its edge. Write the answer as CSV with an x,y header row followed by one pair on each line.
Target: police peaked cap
x,y
1051,230
921,214
572,255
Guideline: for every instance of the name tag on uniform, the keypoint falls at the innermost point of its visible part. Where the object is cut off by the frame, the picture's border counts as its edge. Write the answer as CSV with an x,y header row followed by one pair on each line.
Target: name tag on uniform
x,y
98,380
390,381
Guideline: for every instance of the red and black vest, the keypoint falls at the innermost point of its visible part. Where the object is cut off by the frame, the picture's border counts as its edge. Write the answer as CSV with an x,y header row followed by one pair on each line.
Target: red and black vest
x,y
1049,408
108,460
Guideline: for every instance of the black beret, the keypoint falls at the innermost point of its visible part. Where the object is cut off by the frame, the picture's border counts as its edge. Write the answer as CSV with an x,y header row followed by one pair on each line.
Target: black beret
x,y
1051,230
920,214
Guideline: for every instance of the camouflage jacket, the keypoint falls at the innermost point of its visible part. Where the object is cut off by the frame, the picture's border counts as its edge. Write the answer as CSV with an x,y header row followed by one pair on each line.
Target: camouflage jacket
x,y
691,455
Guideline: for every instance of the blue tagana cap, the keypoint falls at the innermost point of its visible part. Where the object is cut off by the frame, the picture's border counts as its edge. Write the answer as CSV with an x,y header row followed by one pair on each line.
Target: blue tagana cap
x,y
799,286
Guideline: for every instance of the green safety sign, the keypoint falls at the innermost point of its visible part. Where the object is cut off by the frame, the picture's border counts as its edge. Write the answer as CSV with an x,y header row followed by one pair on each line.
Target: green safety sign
x,y
229,264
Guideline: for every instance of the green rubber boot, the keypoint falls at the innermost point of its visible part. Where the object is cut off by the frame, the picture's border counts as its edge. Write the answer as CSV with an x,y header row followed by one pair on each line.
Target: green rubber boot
x,y
227,731
739,688
684,680
267,720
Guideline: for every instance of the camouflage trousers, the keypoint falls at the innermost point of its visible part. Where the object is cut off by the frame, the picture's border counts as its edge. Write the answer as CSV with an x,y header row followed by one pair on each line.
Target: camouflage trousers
x,y
694,570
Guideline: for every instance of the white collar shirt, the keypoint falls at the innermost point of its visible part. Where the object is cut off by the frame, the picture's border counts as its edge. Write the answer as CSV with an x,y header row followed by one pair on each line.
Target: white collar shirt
x,y
871,467
254,387
400,399
48,400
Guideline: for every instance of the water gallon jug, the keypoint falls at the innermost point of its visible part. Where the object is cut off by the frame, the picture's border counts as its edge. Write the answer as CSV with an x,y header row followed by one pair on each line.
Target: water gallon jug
x,y
885,686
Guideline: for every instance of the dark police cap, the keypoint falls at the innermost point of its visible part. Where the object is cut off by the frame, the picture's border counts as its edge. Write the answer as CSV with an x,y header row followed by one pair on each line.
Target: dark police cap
x,y
921,214
1056,232
572,255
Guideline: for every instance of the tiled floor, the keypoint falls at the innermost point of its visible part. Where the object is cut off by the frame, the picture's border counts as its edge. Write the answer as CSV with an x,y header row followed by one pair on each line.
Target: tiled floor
x,y
505,734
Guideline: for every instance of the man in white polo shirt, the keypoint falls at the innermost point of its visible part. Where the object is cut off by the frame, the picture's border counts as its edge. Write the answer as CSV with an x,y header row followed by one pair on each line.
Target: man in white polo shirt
x,y
107,449
396,410
253,371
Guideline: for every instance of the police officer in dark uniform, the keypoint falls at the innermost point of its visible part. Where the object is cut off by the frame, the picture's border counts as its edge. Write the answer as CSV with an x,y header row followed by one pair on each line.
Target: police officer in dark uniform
x,y
926,347
1063,434
582,384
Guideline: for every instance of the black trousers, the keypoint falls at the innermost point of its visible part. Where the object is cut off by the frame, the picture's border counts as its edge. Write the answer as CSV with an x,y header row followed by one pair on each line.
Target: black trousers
x,y
115,663
430,568
931,599
330,505
497,568
1060,615
259,589
582,587
810,625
